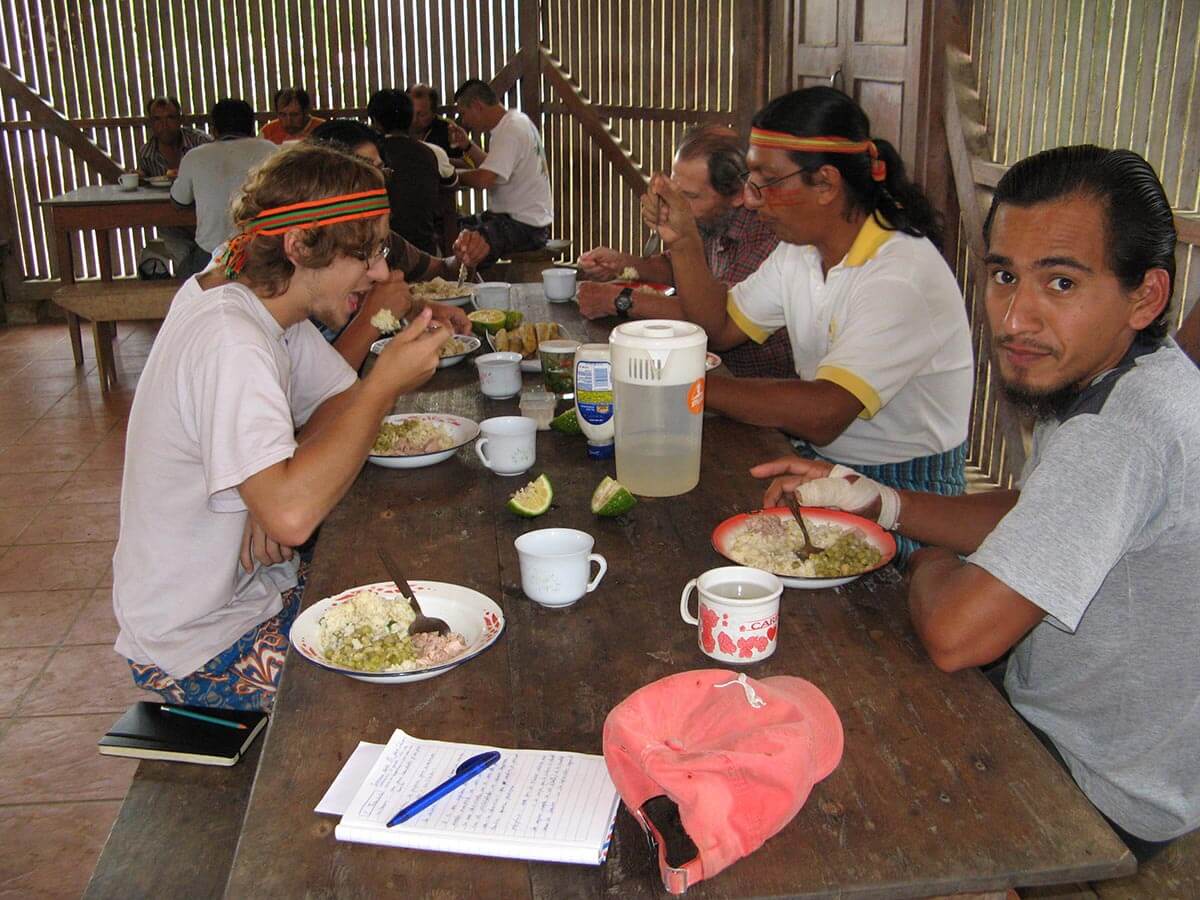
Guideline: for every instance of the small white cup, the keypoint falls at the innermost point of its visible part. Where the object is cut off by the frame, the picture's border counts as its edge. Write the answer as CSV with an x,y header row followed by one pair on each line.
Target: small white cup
x,y
558,284
511,443
737,627
499,374
492,295
555,565
128,181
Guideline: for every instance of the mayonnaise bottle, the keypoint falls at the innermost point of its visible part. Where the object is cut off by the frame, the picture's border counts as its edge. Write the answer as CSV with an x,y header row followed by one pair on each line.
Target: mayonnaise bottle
x,y
594,398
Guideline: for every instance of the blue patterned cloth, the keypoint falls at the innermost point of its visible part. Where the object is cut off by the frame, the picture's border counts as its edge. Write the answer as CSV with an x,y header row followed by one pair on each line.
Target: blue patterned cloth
x,y
941,473
245,676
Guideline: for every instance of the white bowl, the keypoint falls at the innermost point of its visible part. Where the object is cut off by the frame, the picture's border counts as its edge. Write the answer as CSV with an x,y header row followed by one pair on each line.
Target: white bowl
x,y
476,617
472,343
462,431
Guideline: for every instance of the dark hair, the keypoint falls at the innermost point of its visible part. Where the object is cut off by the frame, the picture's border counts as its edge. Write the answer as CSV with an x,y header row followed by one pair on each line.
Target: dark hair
x,y
232,117
1138,223
723,150
896,203
346,134
160,101
391,110
286,95
424,90
475,91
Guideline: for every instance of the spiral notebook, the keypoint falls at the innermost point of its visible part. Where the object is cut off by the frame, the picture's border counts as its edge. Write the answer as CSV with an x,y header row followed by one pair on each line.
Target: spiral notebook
x,y
540,805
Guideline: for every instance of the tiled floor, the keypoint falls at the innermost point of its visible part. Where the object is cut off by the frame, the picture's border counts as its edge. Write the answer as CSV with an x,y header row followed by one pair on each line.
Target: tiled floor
x,y
61,684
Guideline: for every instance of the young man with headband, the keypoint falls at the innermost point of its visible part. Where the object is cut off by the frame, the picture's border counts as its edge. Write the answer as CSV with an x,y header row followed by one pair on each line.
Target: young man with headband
x,y
877,323
247,427
1088,573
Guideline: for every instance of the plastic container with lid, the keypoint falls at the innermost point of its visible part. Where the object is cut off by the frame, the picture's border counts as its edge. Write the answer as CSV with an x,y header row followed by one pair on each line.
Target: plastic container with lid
x,y
539,406
658,390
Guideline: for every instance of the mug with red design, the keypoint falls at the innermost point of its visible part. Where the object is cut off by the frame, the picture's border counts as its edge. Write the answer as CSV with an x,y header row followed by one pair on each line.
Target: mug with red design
x,y
737,613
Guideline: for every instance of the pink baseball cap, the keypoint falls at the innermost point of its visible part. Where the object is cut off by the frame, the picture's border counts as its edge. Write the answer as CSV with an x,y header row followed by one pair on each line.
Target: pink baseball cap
x,y
738,756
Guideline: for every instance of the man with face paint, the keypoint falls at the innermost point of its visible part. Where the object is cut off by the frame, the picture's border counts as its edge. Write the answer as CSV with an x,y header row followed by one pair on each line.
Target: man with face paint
x,y
877,323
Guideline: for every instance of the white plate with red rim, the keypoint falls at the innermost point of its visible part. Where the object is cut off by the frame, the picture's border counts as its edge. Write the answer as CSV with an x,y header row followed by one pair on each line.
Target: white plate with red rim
x,y
711,361
462,431
469,341
727,532
476,617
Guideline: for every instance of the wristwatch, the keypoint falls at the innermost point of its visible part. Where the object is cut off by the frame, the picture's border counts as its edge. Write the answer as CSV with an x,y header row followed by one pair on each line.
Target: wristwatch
x,y
624,302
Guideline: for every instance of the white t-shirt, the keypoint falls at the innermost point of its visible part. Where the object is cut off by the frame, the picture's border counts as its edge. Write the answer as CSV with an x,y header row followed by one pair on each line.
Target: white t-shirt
x,y
522,188
888,324
222,394
211,180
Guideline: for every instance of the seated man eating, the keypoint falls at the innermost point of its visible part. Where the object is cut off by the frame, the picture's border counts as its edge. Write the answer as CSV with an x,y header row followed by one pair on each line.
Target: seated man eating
x,y
247,427
1088,573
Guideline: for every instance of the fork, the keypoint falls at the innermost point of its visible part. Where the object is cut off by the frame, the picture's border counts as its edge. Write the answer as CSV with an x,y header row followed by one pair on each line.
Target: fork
x,y
809,548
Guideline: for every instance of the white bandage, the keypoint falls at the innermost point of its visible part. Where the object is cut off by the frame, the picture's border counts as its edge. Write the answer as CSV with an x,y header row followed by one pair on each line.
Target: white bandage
x,y
835,492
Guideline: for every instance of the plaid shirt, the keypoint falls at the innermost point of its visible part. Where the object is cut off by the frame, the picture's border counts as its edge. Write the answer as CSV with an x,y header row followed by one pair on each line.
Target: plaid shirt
x,y
732,256
152,163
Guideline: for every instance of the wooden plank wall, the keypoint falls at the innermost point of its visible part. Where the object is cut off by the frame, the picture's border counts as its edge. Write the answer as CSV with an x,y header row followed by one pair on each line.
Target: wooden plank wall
x,y
1119,73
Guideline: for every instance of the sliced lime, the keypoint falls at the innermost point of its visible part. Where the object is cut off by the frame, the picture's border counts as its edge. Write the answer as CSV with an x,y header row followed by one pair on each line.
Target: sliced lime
x,y
533,499
487,320
566,422
612,498
513,318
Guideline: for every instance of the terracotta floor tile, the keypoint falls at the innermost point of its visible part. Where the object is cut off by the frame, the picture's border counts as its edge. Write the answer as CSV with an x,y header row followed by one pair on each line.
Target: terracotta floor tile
x,y
72,523
96,624
62,351
73,429
26,406
20,667
110,454
50,367
48,385
51,850
31,488
15,520
32,337
39,618
46,567
54,758
88,401
45,458
107,579
91,486
12,429
84,679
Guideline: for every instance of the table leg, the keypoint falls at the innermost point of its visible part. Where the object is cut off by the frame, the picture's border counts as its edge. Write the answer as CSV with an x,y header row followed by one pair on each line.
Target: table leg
x,y
66,275
76,338
104,357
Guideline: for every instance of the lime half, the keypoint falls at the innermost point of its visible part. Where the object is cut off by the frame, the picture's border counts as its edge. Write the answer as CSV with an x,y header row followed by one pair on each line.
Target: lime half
x,y
612,498
566,422
533,499
487,320
513,318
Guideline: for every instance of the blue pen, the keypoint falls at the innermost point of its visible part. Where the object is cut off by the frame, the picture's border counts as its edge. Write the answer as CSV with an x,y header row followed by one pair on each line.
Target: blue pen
x,y
464,773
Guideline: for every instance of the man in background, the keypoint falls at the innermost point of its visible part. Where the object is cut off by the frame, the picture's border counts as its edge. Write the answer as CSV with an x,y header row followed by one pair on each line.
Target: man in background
x,y
169,138
427,125
209,177
292,121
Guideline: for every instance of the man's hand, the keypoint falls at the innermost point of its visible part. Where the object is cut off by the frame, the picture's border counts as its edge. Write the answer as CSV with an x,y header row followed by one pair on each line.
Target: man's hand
x,y
837,487
667,211
459,139
453,318
604,262
393,294
788,473
258,547
471,247
411,357
597,300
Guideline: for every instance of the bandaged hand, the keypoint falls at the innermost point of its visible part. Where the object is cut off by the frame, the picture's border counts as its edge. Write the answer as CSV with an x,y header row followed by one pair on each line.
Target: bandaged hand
x,y
835,487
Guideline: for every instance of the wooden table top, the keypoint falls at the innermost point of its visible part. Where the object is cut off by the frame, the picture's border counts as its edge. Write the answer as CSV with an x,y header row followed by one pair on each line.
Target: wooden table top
x,y
942,789
93,194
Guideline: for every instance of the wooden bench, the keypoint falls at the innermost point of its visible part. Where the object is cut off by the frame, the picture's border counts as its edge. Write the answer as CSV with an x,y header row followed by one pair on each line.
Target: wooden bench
x,y
1172,875
104,303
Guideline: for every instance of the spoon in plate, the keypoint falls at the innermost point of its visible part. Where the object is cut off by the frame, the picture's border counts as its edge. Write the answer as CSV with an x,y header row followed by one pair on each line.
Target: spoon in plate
x,y
809,548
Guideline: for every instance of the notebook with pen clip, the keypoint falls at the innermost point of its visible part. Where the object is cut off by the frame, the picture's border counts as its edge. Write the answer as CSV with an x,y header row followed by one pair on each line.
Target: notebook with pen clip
x,y
191,734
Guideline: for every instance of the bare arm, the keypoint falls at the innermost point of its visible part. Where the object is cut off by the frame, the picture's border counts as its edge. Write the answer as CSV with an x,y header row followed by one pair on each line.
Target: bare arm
x,y
604,262
479,179
597,300
817,411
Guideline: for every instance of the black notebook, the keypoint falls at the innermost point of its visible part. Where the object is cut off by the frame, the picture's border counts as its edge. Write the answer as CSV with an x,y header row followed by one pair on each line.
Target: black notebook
x,y
146,731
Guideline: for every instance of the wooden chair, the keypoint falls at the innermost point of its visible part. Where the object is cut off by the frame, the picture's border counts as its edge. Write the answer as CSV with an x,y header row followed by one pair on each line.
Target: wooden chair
x,y
105,303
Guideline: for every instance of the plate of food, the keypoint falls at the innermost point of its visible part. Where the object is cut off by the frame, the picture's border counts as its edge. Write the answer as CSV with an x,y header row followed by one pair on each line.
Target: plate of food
x,y
453,351
415,440
160,181
363,631
768,538
711,361
442,291
629,278
524,339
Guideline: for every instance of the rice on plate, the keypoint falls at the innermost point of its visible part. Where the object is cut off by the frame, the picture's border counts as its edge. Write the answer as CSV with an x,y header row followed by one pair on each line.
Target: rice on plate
x,y
369,633
770,543
411,437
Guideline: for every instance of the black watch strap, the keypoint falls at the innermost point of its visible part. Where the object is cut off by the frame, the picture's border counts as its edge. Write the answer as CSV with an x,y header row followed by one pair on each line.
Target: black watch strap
x,y
624,302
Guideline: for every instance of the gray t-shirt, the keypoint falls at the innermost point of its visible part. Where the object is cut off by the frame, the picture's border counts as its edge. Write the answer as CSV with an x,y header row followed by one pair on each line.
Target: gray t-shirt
x,y
1106,539
210,176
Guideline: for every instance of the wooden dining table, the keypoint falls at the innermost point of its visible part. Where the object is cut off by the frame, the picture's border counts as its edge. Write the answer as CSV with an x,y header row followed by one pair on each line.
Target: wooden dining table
x,y
942,789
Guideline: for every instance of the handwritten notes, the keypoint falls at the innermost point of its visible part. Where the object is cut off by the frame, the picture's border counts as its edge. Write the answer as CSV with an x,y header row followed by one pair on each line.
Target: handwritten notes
x,y
532,804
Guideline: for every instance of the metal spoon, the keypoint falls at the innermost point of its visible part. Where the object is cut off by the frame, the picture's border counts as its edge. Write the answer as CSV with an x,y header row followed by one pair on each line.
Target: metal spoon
x,y
809,548
422,624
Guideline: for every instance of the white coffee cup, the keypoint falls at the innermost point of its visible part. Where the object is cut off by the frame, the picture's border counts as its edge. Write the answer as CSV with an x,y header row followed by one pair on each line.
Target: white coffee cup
x,y
499,374
558,284
492,295
511,443
555,565
738,613
128,181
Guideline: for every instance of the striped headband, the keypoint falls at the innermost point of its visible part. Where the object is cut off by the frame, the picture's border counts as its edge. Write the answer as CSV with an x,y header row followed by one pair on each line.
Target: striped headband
x,y
309,214
781,140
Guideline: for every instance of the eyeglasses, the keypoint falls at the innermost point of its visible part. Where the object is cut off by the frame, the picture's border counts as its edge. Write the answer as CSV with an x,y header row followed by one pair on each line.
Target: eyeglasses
x,y
370,258
758,191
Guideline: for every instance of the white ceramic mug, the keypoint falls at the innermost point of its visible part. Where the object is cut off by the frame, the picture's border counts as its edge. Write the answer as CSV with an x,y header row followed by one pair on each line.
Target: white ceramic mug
x,y
555,565
499,374
738,613
511,443
128,181
492,295
558,284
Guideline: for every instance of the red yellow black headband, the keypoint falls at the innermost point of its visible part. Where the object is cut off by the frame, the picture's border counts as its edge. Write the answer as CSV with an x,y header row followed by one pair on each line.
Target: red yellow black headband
x,y
781,140
305,215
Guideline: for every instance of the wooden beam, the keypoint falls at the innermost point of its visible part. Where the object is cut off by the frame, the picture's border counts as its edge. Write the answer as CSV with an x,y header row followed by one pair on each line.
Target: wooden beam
x,y
649,113
593,124
961,164
512,72
751,61
54,122
987,173
528,34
